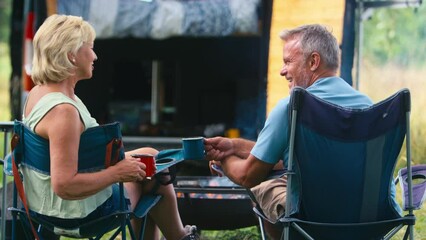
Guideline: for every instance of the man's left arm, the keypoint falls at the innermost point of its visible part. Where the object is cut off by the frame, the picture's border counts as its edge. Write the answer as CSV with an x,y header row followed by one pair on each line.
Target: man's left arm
x,y
247,172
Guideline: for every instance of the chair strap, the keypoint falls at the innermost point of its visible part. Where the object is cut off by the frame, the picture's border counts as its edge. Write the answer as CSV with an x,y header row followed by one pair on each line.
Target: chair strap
x,y
19,186
113,147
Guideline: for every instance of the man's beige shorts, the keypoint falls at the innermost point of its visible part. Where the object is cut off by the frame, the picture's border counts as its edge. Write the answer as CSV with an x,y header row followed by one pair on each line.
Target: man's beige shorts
x,y
270,195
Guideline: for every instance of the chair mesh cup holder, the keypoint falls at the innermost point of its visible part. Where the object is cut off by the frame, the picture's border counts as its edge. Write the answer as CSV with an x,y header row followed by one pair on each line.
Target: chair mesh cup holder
x,y
418,186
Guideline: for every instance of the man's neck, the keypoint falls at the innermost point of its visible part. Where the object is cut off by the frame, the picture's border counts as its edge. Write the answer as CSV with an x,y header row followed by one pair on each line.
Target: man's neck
x,y
322,73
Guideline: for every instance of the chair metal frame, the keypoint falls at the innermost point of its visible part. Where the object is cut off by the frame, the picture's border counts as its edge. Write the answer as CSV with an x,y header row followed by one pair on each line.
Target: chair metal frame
x,y
290,221
7,129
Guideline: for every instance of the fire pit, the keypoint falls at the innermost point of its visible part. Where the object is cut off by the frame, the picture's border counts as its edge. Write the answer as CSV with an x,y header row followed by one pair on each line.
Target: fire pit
x,y
213,203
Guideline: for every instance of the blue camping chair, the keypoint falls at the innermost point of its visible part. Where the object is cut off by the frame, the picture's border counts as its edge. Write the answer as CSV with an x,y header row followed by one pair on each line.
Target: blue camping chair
x,y
340,169
103,147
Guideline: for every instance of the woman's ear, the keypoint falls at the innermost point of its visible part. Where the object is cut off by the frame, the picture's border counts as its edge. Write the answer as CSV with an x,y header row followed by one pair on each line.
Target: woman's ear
x,y
71,57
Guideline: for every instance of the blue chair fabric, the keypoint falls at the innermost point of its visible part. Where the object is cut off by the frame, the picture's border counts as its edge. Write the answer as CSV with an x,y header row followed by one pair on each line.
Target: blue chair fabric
x,y
100,147
341,166
174,156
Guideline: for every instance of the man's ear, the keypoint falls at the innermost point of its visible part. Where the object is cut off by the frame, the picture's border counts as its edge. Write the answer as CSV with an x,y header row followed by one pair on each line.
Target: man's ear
x,y
314,61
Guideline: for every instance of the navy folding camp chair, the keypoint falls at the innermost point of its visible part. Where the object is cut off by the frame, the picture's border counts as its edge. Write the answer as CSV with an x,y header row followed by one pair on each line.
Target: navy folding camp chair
x,y
340,169
100,147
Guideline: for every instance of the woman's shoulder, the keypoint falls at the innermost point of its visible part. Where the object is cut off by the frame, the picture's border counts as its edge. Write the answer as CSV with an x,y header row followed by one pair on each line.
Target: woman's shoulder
x,y
39,103
47,101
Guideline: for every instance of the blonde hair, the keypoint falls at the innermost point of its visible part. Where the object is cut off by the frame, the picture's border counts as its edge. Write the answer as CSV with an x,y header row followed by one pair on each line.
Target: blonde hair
x,y
57,37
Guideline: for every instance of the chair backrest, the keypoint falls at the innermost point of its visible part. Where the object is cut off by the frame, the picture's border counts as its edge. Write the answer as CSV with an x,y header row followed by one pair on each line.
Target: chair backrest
x,y
344,159
100,147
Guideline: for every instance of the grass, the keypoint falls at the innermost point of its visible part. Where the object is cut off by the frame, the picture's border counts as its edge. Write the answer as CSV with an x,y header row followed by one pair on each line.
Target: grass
x,y
376,82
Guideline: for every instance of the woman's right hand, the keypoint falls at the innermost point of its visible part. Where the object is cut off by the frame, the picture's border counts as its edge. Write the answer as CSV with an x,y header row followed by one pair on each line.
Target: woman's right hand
x,y
130,170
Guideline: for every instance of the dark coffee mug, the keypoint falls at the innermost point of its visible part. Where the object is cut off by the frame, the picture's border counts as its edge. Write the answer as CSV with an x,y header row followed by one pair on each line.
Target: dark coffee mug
x,y
193,148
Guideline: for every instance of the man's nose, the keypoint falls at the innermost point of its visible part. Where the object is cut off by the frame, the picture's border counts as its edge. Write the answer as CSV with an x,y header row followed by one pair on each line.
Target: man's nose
x,y
283,71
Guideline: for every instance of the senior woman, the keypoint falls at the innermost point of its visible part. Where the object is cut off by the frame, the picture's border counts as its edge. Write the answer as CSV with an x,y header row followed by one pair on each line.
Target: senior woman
x,y
63,56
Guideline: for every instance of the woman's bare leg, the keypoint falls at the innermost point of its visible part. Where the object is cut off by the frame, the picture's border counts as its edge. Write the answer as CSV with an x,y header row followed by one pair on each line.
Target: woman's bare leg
x,y
164,214
171,226
134,192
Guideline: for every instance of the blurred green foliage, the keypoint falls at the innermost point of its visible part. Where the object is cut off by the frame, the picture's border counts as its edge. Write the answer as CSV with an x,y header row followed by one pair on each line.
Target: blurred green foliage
x,y
5,10
396,35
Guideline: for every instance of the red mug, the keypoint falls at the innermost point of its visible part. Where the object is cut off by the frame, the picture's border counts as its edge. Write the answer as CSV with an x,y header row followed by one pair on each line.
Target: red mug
x,y
149,161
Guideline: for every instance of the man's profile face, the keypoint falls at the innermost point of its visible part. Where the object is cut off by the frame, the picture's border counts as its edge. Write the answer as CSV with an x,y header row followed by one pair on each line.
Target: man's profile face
x,y
295,67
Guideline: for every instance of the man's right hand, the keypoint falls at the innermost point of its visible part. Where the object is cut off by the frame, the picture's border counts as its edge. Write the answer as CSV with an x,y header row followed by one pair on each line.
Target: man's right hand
x,y
218,148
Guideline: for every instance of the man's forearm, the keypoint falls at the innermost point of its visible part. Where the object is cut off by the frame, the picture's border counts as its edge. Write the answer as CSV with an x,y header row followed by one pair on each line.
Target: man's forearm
x,y
242,147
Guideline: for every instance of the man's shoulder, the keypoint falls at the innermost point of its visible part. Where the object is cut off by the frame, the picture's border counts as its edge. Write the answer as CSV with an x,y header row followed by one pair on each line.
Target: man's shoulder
x,y
339,92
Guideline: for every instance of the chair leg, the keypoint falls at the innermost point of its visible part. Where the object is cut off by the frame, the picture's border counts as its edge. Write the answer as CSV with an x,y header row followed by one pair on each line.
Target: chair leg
x,y
394,231
129,226
26,226
411,227
117,231
406,234
14,220
286,232
262,228
301,231
142,233
123,229
132,232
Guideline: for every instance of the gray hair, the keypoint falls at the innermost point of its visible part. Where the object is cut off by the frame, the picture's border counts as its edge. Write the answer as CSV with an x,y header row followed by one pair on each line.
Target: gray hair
x,y
316,38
